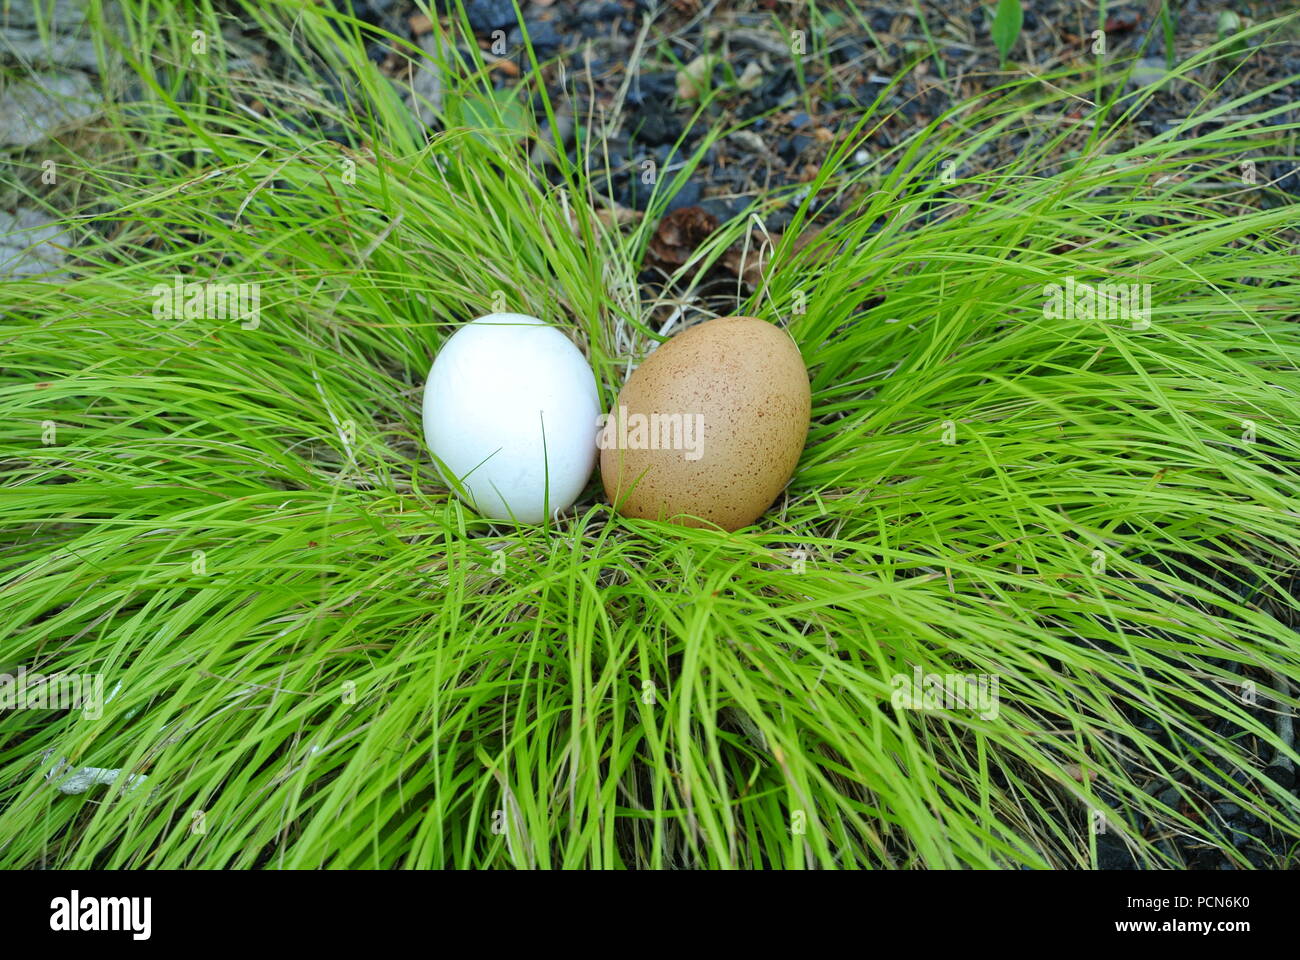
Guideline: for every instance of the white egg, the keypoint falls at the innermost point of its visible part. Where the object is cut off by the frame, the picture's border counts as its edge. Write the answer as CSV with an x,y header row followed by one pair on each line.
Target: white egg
x,y
510,411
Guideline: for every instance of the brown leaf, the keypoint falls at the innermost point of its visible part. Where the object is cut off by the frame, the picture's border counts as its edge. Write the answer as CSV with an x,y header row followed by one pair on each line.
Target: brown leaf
x,y
680,233
752,264
617,216
748,264
1123,22
611,218
420,24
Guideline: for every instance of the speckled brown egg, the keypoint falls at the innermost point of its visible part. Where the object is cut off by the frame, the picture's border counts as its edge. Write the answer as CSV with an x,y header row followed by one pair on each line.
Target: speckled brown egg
x,y
710,427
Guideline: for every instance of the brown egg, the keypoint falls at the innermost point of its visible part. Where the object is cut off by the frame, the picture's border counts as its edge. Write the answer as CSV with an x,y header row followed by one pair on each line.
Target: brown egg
x,y
710,426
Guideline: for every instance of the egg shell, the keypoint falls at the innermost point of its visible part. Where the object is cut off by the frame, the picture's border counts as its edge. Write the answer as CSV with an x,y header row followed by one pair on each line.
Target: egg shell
x,y
744,380
510,411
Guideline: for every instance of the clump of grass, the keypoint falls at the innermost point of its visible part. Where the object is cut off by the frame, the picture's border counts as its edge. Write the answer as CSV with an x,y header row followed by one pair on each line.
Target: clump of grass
x,y
321,658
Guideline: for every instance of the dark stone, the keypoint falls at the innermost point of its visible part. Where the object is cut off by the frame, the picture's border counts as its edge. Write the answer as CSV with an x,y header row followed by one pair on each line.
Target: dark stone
x,y
1258,858
369,12
1260,830
546,39
598,10
1282,775
652,87
654,127
800,120
793,147
665,154
1207,860
779,219
772,92
634,194
724,208
687,196
1113,854
848,51
488,15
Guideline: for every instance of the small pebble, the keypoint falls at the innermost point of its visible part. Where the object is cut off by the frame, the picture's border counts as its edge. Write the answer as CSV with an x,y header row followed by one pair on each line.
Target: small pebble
x,y
1227,809
1283,776
488,15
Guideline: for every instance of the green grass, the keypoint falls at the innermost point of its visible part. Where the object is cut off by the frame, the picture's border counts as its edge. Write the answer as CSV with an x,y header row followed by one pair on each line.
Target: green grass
x,y
324,660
